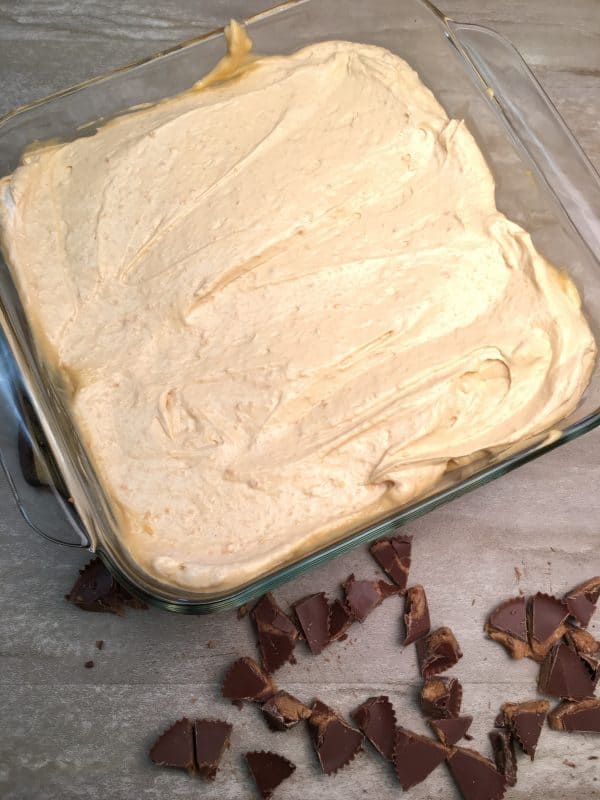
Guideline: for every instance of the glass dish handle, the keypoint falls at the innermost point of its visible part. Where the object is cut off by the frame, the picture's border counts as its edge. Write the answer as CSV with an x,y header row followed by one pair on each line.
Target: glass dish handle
x,y
534,123
27,464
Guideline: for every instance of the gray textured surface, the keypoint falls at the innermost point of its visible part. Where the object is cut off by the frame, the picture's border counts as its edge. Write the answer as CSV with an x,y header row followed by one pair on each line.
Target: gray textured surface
x,y
69,732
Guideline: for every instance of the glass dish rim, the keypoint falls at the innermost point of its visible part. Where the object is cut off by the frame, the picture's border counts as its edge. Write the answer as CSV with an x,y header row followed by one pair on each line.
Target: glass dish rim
x,y
263,583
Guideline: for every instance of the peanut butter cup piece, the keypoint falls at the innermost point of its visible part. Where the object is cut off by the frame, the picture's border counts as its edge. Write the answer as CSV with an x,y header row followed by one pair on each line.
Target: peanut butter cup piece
x,y
282,711
580,716
507,624
437,652
335,742
97,590
546,616
393,556
564,674
340,619
268,771
476,776
416,615
246,680
211,738
277,634
415,757
377,720
452,730
504,755
313,615
175,748
586,647
525,721
581,601
363,597
441,697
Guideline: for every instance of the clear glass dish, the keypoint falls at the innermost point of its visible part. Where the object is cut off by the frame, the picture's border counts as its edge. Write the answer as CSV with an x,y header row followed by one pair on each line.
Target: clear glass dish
x,y
544,182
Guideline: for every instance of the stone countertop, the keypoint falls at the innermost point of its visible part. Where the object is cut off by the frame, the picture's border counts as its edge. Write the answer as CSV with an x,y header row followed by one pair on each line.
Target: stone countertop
x,y
71,732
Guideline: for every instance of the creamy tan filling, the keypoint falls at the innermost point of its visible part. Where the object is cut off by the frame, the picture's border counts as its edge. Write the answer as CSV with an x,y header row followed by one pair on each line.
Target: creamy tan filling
x,y
284,303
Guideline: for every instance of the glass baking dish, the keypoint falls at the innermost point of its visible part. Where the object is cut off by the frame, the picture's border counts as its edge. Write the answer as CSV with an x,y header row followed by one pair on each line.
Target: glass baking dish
x,y
544,182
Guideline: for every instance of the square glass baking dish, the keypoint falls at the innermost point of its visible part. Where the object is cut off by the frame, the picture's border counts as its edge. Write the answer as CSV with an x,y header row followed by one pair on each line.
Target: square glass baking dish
x,y
544,182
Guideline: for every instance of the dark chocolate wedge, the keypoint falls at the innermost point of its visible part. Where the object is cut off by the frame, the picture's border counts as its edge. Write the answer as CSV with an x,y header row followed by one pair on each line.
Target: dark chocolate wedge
x,y
581,601
437,652
441,697
452,730
476,776
340,619
507,624
175,747
546,617
246,680
525,721
282,711
581,716
363,597
564,674
268,771
313,616
377,720
415,757
416,615
277,634
211,739
335,742
504,755
393,556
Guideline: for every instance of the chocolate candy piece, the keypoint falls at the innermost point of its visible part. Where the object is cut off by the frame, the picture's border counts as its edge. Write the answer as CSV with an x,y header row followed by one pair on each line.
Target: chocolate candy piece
x,y
437,652
507,624
336,743
246,680
97,590
415,757
377,720
313,616
450,731
564,674
525,721
476,777
416,615
546,617
362,597
504,755
586,647
211,738
282,711
441,697
581,601
340,620
277,634
393,556
268,771
175,748
583,716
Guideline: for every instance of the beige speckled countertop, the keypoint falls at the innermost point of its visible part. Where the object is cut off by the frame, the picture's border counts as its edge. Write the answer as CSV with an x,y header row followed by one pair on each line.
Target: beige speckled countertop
x,y
70,732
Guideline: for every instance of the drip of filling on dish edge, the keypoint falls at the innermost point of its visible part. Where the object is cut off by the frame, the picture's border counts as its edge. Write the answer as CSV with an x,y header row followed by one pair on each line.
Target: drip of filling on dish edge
x,y
284,303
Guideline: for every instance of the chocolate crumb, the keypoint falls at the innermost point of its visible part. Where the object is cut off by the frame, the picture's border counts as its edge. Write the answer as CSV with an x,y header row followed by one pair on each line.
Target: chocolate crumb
x,y
211,644
88,664
335,742
99,644
245,609
568,763
268,771
437,652
416,615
